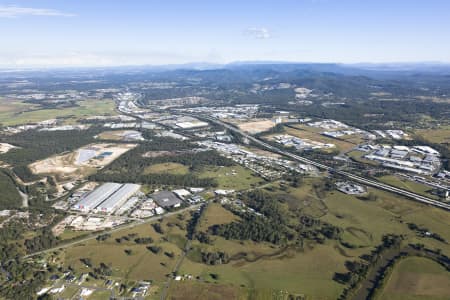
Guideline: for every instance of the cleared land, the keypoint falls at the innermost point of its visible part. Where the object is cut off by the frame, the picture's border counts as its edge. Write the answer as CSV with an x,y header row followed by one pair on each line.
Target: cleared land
x,y
115,135
417,278
68,166
312,133
5,147
437,135
10,108
234,177
216,214
308,272
140,263
17,112
409,185
167,168
358,157
254,127
189,290
266,269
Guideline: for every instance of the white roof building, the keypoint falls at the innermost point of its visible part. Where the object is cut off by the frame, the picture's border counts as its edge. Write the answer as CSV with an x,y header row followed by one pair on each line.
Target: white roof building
x,y
118,198
97,196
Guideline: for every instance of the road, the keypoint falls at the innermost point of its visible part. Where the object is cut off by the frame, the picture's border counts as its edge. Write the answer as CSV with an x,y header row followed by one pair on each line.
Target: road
x,y
356,178
187,248
166,286
115,229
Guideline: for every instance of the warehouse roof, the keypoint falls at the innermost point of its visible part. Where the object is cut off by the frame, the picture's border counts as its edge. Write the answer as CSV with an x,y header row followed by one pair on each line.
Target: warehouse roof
x,y
166,199
119,196
97,196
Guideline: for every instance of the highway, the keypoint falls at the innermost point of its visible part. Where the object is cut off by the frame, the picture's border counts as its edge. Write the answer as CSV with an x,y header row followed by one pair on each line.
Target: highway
x,y
356,178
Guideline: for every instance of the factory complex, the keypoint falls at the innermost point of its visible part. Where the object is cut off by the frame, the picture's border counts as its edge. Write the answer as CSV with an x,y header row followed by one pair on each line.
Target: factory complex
x,y
107,198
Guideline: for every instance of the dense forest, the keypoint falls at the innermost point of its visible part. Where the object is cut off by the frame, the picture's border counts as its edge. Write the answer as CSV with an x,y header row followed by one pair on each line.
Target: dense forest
x,y
35,145
131,166
10,197
272,223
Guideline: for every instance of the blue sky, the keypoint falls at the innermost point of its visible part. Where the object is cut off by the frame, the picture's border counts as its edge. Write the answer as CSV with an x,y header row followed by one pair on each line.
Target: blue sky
x,y
119,32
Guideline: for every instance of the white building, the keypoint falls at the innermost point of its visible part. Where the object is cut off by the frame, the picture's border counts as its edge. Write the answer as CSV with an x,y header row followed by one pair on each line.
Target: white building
x,y
118,198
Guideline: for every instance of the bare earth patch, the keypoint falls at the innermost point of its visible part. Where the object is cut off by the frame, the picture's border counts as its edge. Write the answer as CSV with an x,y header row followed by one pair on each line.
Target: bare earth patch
x,y
68,166
256,126
5,147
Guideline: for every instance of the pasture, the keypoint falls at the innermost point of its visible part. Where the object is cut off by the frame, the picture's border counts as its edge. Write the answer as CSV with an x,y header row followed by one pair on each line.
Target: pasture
x,y
417,278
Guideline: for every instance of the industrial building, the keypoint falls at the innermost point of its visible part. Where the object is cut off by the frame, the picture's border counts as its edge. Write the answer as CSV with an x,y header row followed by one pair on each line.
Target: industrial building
x,y
118,198
351,188
107,198
97,196
191,125
166,199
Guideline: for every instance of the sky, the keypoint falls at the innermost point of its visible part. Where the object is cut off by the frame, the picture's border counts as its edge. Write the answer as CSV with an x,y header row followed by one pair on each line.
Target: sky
x,y
61,33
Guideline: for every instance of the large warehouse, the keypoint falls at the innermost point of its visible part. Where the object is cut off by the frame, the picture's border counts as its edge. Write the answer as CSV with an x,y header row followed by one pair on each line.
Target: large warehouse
x,y
166,199
117,199
107,198
97,196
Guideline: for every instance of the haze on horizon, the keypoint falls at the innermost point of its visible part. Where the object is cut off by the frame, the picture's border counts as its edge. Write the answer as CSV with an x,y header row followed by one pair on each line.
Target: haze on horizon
x,y
51,33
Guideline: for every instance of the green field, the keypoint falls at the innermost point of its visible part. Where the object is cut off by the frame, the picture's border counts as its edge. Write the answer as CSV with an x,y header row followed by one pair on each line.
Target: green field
x,y
417,278
269,269
263,270
314,134
358,157
14,113
10,108
234,177
141,264
307,272
100,295
216,214
409,185
191,290
168,168
69,292
71,234
439,135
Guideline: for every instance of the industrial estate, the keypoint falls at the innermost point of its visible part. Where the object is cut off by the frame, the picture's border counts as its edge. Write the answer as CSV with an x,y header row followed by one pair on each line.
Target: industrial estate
x,y
162,185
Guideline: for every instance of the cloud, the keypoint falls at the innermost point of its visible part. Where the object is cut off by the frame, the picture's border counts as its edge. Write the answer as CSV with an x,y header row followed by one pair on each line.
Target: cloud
x,y
17,11
19,59
67,59
258,33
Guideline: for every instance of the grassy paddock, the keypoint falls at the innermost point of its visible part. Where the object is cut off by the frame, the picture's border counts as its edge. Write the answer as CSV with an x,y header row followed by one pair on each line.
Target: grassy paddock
x,y
192,290
216,214
22,113
234,177
307,132
417,278
409,185
141,264
167,168
439,135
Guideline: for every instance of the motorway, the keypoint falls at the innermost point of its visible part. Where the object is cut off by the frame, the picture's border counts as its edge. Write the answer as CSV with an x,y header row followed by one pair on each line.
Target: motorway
x,y
356,178
118,228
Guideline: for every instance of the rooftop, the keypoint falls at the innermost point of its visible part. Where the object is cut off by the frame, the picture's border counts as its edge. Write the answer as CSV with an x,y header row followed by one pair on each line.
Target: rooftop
x,y
166,199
